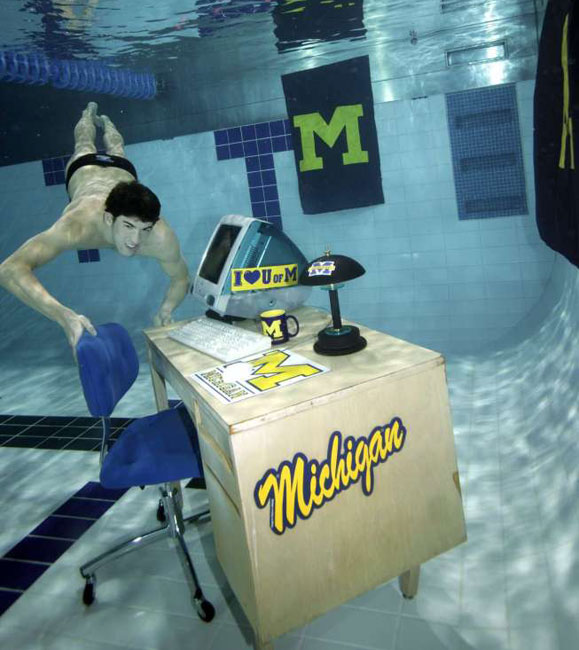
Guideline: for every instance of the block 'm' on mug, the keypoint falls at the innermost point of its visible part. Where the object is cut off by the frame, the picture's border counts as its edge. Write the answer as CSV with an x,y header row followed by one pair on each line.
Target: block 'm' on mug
x,y
274,323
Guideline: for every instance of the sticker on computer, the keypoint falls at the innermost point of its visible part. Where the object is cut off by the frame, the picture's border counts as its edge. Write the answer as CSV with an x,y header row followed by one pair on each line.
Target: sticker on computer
x,y
256,374
264,277
321,268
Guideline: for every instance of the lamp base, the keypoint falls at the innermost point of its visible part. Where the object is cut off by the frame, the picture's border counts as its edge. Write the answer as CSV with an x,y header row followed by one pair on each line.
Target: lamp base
x,y
335,342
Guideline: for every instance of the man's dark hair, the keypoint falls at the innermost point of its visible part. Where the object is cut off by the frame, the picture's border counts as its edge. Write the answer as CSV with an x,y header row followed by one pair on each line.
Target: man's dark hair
x,y
131,199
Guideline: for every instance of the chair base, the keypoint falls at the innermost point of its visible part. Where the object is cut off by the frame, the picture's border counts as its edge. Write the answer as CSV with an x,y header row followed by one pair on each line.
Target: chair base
x,y
174,528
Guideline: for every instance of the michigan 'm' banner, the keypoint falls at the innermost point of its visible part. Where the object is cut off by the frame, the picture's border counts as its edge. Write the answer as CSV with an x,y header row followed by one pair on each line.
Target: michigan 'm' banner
x,y
331,111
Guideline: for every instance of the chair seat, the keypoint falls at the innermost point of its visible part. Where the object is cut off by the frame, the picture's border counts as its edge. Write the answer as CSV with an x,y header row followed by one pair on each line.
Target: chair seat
x,y
155,449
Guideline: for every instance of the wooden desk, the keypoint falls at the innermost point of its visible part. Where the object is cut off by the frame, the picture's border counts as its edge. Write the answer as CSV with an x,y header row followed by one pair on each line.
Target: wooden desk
x,y
400,508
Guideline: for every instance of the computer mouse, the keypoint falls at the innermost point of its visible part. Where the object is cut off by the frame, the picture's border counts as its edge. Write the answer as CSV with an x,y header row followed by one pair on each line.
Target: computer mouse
x,y
237,371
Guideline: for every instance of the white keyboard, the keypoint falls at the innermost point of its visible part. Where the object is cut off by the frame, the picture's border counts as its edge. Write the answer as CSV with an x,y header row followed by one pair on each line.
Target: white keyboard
x,y
220,340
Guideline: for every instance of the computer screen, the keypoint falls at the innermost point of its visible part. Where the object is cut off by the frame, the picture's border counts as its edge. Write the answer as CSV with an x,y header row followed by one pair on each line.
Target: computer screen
x,y
249,266
214,260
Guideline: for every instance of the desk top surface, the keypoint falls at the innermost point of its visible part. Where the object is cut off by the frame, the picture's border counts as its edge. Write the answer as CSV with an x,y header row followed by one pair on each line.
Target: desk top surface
x,y
384,356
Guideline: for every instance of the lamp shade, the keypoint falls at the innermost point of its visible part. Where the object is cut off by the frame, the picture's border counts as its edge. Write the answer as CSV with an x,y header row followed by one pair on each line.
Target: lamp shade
x,y
329,272
331,269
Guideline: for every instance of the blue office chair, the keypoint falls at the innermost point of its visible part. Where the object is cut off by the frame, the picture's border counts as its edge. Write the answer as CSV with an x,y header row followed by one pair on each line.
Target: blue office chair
x,y
156,450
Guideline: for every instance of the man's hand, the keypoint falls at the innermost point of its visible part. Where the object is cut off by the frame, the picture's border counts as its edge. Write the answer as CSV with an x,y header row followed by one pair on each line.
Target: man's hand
x,y
74,325
169,255
162,318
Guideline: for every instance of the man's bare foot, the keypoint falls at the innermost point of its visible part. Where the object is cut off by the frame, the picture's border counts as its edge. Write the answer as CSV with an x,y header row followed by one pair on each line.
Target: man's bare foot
x,y
92,108
106,123
91,112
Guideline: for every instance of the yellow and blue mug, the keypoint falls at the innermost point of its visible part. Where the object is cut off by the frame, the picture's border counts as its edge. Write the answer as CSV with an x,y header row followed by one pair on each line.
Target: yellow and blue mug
x,y
274,323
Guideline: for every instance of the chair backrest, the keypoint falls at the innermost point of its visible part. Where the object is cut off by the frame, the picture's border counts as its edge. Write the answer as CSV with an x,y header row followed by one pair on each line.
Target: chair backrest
x,y
108,366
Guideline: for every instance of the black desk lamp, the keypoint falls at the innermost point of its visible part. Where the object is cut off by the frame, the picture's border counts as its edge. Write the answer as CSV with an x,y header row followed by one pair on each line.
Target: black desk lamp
x,y
330,272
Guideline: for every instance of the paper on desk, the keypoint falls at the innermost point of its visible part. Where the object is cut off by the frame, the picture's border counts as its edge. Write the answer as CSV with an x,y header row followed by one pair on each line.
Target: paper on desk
x,y
256,374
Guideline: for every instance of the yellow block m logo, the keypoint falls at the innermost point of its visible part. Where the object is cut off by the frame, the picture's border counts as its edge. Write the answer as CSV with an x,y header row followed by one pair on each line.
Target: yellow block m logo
x,y
273,329
344,117
270,370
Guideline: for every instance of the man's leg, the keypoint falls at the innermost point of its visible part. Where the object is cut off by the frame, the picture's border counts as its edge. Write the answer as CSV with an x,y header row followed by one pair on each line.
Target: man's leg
x,y
114,143
85,133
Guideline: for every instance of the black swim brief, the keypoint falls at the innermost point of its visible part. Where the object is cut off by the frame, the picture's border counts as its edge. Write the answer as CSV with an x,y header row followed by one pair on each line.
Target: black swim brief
x,y
100,160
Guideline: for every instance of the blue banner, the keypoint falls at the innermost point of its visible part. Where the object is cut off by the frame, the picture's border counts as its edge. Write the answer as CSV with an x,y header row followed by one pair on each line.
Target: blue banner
x,y
331,111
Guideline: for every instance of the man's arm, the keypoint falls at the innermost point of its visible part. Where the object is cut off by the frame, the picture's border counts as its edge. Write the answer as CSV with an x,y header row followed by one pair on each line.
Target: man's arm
x,y
174,265
16,276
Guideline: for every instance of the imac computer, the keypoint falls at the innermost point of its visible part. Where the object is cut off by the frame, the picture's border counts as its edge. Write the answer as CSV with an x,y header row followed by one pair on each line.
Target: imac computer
x,y
249,266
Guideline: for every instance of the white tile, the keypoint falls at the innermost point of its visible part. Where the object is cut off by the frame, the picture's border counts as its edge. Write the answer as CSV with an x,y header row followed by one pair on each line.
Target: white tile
x,y
386,598
462,257
42,613
566,625
415,634
428,258
26,638
529,595
430,242
436,601
140,628
483,638
322,644
352,626
502,272
537,637
230,636
483,596
64,642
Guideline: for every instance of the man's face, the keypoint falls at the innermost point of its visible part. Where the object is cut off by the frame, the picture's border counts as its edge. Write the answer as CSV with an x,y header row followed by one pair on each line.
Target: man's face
x,y
129,233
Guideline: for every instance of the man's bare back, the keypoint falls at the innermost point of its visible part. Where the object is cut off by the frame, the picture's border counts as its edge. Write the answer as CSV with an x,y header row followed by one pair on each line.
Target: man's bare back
x,y
81,222
108,209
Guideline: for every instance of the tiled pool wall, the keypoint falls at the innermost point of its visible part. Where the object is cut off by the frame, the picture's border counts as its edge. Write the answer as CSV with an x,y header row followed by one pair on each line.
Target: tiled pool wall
x,y
435,274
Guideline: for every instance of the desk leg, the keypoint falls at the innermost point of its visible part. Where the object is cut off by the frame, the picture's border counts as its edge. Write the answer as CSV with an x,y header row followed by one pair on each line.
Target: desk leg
x,y
162,402
408,582
159,387
262,645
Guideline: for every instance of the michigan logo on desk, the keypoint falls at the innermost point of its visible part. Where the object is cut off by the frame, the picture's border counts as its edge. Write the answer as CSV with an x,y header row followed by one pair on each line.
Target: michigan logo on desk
x,y
257,374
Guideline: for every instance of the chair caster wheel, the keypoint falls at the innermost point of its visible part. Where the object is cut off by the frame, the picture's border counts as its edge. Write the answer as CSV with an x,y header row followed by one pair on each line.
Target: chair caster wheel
x,y
88,594
161,516
205,610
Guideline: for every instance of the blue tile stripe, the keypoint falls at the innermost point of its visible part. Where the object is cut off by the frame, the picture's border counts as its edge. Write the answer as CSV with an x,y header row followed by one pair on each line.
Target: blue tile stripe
x,y
39,432
26,561
7,598
53,170
92,255
59,432
258,143
487,155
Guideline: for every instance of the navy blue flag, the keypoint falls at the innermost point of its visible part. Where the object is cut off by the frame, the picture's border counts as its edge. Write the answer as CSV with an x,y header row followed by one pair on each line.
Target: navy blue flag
x,y
331,111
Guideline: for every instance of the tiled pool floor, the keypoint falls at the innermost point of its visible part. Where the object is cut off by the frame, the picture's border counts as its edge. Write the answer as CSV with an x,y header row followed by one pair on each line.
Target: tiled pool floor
x,y
513,585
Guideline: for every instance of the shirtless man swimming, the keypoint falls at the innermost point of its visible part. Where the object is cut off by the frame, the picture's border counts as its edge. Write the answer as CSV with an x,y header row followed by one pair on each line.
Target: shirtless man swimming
x,y
108,209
